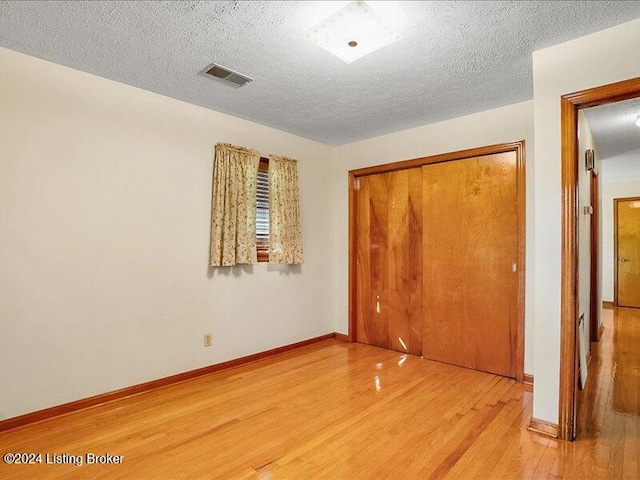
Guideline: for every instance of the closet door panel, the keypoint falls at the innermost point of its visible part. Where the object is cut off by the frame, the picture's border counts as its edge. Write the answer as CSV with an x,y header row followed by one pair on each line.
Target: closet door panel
x,y
373,261
363,286
469,248
405,261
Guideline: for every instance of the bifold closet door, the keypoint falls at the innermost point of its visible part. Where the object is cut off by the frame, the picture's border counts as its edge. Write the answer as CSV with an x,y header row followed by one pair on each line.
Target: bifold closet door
x,y
389,260
470,248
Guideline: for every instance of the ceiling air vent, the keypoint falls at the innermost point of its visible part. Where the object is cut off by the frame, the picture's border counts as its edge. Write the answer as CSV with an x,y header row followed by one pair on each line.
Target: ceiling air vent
x,y
223,73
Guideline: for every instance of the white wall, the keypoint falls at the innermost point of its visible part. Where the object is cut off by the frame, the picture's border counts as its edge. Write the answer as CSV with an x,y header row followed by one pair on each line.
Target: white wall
x,y
506,124
590,61
585,142
105,194
622,168
609,192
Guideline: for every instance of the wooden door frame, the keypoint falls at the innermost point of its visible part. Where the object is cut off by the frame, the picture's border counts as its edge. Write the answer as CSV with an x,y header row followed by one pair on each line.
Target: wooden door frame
x,y
569,106
615,243
594,308
519,149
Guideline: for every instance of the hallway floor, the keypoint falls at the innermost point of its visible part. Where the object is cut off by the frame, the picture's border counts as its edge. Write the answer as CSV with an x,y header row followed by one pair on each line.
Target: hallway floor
x,y
609,406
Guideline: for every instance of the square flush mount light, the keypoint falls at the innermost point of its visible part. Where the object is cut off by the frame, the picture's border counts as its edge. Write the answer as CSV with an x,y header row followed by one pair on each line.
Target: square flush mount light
x,y
352,32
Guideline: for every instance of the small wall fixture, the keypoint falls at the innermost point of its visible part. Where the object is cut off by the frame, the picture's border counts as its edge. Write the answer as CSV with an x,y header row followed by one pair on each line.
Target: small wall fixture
x,y
589,159
638,121
352,32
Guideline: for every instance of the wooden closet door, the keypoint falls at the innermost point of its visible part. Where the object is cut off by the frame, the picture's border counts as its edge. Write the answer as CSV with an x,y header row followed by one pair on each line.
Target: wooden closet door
x,y
389,260
469,250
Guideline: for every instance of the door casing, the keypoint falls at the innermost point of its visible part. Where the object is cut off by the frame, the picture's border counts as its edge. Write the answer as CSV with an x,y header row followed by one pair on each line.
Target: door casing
x,y
569,106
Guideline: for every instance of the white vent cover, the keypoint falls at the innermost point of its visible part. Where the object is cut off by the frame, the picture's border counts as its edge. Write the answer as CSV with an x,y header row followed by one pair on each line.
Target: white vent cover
x,y
234,78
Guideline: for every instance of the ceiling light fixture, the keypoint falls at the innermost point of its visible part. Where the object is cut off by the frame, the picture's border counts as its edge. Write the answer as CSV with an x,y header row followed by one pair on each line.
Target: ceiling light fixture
x,y
352,32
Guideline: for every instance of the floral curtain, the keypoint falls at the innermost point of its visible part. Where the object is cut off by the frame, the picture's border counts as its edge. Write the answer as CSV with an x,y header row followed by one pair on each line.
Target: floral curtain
x,y
285,230
233,206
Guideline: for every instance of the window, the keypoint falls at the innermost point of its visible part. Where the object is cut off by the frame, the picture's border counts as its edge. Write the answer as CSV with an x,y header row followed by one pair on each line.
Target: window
x,y
262,211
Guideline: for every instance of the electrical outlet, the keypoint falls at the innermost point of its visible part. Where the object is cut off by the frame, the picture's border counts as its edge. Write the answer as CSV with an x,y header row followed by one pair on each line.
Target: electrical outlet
x,y
207,339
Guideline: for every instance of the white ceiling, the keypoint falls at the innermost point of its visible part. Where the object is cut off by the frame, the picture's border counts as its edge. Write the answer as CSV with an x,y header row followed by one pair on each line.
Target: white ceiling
x,y
455,58
617,139
613,127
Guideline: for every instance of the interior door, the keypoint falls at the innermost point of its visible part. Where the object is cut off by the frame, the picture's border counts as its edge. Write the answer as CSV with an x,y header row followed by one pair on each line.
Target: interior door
x,y
389,260
470,251
628,252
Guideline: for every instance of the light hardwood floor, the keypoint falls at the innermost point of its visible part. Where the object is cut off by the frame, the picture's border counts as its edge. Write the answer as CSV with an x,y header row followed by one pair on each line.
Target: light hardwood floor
x,y
346,411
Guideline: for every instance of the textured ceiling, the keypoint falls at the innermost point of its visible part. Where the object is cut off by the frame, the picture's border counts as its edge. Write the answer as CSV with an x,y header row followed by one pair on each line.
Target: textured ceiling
x,y
455,58
617,139
613,127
